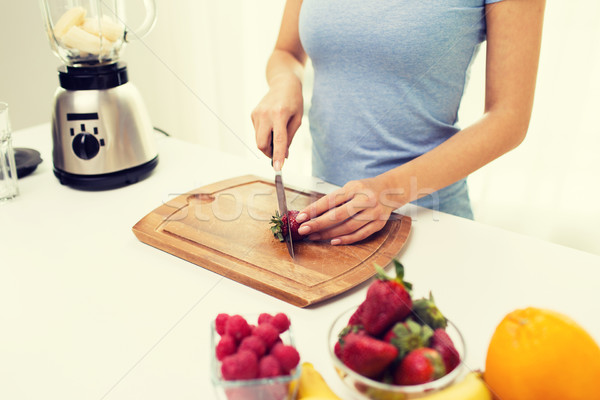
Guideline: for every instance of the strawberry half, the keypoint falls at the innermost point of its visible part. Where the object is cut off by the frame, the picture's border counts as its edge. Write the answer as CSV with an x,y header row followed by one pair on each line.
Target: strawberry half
x,y
419,366
388,301
279,225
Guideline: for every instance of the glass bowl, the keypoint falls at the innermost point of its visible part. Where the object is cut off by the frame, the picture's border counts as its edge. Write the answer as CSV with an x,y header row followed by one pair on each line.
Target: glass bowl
x,y
277,388
366,388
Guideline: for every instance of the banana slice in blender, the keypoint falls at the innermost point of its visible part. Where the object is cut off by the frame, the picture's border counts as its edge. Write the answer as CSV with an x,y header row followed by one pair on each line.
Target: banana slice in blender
x,y
72,17
77,38
105,27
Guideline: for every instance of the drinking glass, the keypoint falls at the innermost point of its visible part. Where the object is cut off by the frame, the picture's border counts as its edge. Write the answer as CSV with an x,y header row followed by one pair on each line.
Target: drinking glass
x,y
8,168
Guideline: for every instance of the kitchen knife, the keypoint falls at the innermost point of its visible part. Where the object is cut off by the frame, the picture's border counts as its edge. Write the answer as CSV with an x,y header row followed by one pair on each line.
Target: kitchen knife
x,y
283,211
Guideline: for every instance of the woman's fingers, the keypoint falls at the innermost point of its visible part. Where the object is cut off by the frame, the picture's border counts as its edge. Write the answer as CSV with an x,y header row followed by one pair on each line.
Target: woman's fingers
x,y
364,232
352,224
335,208
280,143
342,228
324,204
263,139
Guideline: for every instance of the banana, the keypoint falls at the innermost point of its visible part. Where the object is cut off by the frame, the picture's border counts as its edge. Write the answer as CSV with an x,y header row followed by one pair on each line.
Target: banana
x,y
104,27
73,17
471,387
83,41
312,386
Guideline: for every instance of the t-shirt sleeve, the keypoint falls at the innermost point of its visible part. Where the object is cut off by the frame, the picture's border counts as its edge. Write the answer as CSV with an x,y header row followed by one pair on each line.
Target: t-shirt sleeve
x,y
492,1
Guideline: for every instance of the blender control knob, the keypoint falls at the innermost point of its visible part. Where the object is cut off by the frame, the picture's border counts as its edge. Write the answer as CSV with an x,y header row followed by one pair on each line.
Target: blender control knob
x,y
86,146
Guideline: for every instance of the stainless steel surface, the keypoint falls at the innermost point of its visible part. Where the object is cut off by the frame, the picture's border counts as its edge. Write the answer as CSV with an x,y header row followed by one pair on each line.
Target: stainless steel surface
x,y
122,129
280,189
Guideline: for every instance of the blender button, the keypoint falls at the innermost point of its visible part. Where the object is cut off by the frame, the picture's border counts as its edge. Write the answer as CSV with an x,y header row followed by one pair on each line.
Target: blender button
x,y
101,142
72,132
95,130
82,127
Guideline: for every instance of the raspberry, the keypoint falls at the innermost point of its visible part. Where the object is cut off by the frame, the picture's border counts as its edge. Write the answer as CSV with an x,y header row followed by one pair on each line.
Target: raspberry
x,y
237,327
278,340
269,367
220,322
281,322
254,344
268,333
240,366
264,318
287,356
225,347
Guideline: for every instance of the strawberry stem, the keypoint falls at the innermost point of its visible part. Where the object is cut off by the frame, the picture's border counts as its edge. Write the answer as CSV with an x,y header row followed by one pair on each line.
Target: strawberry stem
x,y
381,275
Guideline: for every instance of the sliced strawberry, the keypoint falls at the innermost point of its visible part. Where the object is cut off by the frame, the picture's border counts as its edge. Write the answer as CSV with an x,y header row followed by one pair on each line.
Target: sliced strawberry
x,y
280,224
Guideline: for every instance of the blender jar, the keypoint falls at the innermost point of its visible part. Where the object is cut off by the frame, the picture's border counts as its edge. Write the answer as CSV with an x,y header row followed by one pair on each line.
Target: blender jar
x,y
90,32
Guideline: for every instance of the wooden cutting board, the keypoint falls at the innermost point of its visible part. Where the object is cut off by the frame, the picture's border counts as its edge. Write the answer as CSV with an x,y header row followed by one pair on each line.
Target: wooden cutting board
x,y
224,227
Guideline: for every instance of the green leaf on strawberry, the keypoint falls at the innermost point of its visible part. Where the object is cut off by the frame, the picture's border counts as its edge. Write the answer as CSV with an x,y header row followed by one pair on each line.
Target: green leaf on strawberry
x,y
408,336
427,312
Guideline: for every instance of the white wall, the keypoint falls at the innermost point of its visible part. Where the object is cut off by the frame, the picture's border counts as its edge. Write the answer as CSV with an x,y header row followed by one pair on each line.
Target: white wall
x,y
28,76
201,72
549,186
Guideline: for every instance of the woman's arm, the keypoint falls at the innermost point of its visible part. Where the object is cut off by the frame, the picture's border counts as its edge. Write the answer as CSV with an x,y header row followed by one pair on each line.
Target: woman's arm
x,y
280,112
360,208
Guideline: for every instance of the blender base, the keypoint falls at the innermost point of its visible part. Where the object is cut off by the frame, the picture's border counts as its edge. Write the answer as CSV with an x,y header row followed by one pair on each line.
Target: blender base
x,y
107,181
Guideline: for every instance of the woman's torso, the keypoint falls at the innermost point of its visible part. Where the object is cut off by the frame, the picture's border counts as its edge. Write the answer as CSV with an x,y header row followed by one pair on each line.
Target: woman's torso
x,y
388,79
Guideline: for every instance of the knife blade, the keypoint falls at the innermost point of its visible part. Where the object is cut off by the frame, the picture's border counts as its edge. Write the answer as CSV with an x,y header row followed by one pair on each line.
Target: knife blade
x,y
279,188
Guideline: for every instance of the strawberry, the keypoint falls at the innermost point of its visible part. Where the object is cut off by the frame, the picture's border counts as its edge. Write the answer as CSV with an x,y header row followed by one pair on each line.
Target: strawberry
x,y
280,225
419,366
426,312
441,342
366,355
407,336
356,318
388,301
358,329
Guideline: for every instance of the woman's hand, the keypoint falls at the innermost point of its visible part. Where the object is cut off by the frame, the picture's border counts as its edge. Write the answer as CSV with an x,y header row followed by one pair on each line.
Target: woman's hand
x,y
351,213
278,116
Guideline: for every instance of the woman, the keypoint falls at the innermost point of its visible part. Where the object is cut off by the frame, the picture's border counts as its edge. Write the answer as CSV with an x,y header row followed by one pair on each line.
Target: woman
x,y
389,77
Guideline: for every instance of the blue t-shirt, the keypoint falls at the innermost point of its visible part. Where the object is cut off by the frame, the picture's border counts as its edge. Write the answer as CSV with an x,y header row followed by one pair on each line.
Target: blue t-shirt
x,y
388,79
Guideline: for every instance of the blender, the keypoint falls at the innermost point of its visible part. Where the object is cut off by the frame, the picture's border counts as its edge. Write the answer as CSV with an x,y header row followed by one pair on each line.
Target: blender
x,y
101,130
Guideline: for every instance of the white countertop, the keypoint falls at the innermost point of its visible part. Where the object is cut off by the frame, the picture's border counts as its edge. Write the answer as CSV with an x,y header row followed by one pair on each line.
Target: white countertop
x,y
89,312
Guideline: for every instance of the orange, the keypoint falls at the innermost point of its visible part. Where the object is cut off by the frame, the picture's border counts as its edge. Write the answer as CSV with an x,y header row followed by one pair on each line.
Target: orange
x,y
537,354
